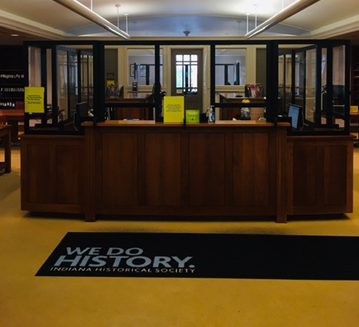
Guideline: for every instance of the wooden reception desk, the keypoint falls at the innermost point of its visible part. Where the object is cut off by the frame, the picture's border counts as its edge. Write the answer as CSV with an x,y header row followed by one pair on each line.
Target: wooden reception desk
x,y
227,169
228,113
120,111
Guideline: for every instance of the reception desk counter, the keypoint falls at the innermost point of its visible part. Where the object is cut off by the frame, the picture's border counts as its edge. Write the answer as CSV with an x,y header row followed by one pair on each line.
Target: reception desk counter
x,y
120,111
228,113
227,169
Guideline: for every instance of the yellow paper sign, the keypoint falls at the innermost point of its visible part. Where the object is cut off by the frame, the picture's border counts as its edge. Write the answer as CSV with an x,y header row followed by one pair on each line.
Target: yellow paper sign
x,y
192,116
110,82
34,99
353,109
173,109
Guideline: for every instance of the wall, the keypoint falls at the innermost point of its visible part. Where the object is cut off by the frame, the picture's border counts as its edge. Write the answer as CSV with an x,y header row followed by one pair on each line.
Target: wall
x,y
261,67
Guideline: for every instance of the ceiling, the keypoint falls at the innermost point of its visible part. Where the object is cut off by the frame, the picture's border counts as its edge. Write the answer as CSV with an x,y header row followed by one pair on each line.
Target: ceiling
x,y
46,19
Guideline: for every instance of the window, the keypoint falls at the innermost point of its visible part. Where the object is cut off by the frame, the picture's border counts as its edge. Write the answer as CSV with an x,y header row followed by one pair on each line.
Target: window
x,y
142,66
186,73
230,66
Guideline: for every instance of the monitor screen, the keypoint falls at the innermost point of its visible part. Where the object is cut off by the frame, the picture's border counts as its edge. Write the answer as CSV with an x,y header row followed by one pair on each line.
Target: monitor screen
x,y
82,109
81,114
294,112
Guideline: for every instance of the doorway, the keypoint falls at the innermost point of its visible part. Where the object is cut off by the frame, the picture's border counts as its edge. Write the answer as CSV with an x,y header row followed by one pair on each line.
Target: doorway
x,y
187,76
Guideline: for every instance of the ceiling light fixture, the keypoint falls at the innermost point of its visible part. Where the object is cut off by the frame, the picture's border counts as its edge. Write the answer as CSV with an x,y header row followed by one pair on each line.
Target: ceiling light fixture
x,y
256,5
118,14
83,11
126,15
285,13
247,14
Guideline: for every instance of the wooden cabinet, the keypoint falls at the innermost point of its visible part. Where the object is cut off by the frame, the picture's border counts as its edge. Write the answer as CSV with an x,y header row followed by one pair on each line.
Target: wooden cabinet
x,y
203,170
320,175
53,173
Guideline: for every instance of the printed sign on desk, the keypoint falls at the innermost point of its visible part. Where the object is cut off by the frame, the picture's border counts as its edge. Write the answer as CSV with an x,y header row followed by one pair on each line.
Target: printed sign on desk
x,y
34,99
173,109
192,116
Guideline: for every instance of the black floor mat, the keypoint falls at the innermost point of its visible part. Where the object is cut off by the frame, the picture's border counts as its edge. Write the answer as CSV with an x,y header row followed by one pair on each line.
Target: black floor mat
x,y
205,256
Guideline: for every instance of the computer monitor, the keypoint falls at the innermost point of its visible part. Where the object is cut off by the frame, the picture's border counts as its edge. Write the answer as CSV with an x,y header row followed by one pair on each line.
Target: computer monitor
x,y
81,114
296,115
82,110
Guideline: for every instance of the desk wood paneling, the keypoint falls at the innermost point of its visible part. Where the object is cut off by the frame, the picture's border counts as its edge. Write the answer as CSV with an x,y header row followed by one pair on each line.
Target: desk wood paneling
x,y
203,170
320,175
243,169
53,173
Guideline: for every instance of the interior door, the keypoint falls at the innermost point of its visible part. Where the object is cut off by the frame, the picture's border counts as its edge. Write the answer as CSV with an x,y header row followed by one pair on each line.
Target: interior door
x,y
187,76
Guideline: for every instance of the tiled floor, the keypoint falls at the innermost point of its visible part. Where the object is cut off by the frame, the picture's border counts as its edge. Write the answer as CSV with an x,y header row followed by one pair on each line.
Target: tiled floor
x,y
26,300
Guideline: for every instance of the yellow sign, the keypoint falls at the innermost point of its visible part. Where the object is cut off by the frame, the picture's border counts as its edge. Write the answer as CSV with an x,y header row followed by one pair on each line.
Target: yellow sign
x,y
110,82
353,109
34,99
173,109
192,116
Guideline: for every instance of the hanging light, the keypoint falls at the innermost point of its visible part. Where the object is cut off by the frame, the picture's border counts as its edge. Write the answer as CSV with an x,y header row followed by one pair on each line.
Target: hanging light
x,y
289,11
126,15
256,5
118,15
83,11
247,14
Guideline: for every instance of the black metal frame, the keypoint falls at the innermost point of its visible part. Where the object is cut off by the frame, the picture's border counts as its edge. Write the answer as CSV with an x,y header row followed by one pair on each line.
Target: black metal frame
x,y
329,113
272,48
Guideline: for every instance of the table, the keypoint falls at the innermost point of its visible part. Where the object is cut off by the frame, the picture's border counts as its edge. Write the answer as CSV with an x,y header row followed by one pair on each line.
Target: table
x,y
13,117
5,135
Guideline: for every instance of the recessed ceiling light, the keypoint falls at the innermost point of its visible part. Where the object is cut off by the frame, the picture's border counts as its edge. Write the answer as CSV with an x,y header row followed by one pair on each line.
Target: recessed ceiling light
x,y
13,34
